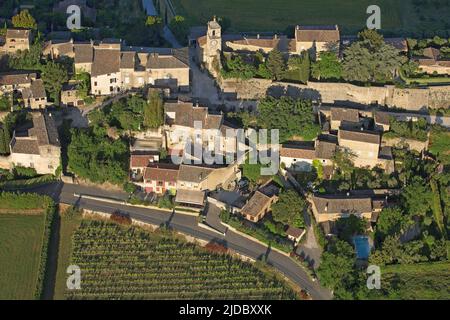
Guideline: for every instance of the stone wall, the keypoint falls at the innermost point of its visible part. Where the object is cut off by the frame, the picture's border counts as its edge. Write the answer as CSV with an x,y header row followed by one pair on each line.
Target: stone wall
x,y
340,93
400,142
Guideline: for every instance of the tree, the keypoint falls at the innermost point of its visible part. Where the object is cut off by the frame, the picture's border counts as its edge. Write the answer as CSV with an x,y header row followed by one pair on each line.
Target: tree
x,y
27,59
343,160
54,76
94,156
84,84
350,226
391,222
299,67
292,117
236,67
275,64
289,209
327,67
371,60
336,266
417,197
180,29
154,110
24,20
153,21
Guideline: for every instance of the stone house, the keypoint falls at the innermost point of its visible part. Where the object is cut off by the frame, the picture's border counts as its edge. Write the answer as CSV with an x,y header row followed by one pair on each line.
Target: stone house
x,y
295,234
333,207
159,178
37,145
260,203
343,117
17,39
432,62
30,88
69,96
35,96
114,67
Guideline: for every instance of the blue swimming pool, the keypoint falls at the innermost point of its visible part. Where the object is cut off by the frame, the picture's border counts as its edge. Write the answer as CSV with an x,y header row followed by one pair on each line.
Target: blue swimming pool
x,y
362,247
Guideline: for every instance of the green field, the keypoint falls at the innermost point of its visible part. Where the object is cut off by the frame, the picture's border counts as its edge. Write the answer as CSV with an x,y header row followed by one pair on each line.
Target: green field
x,y
417,281
120,262
277,15
21,238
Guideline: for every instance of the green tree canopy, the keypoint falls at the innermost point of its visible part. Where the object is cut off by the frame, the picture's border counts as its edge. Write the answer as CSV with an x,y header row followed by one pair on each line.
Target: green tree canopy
x,y
54,76
275,64
392,221
293,117
327,67
24,20
94,156
371,60
289,209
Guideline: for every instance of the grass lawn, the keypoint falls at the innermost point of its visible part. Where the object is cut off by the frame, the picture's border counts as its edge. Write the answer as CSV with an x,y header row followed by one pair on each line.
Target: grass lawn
x,y
68,225
440,144
417,281
269,15
21,238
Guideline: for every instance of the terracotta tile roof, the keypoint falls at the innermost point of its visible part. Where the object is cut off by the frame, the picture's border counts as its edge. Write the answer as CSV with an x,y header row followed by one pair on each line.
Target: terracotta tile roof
x,y
261,42
195,174
317,33
17,33
344,114
37,89
106,61
382,118
161,172
43,132
156,61
127,60
140,160
297,152
186,114
325,149
361,136
16,78
84,53
256,203
341,205
294,232
398,43
196,197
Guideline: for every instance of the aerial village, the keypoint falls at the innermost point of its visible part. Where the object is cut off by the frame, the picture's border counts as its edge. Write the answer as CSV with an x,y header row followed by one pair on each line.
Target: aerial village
x,y
111,114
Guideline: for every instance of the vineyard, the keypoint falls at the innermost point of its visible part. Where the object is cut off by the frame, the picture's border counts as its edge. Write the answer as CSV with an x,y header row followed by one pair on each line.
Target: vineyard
x,y
119,262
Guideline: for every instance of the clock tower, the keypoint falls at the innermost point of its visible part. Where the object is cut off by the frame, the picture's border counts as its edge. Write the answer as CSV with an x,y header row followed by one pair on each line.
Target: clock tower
x,y
213,41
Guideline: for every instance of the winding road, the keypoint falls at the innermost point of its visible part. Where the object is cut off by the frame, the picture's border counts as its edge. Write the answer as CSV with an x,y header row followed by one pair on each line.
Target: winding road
x,y
186,224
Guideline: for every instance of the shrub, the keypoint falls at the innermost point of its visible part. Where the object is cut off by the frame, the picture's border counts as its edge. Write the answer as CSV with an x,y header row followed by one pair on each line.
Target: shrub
x,y
121,218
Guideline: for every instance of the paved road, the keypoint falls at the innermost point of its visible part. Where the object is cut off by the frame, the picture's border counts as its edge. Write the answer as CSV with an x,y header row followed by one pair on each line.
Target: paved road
x,y
186,224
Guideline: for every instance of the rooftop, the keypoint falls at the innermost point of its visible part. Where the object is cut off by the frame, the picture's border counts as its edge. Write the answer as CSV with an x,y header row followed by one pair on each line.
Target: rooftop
x,y
360,136
324,33
342,204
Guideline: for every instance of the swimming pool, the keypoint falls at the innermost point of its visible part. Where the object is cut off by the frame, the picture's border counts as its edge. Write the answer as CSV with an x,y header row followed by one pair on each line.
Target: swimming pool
x,y
362,247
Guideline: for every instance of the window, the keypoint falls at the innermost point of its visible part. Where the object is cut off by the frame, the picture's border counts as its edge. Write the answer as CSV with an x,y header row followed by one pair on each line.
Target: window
x,y
160,183
95,83
111,88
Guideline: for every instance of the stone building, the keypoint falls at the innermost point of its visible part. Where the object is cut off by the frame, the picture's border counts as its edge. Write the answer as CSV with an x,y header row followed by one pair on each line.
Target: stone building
x,y
37,145
17,39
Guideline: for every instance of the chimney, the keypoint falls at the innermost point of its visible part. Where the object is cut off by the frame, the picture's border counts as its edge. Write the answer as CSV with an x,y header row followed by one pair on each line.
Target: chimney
x,y
348,194
297,27
257,36
275,36
326,207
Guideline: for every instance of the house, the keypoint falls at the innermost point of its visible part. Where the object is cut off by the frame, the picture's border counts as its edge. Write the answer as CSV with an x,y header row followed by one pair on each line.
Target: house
x,y
159,178
69,96
31,89
34,97
260,202
364,144
14,80
141,160
37,145
17,40
343,117
333,207
301,157
431,62
317,39
297,158
295,234
115,67
382,121
185,121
